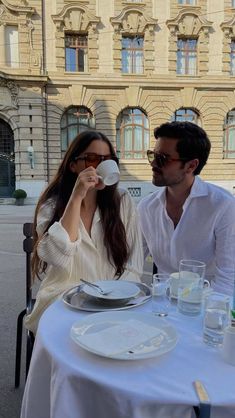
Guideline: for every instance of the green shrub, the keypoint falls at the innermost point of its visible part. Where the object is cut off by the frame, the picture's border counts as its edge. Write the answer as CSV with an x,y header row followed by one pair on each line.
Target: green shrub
x,y
19,194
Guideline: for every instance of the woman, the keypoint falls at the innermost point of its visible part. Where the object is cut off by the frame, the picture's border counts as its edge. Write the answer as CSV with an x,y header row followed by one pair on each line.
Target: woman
x,y
82,228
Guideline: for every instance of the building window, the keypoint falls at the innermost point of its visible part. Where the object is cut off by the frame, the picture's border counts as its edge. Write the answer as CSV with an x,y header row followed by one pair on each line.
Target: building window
x,y
76,56
186,115
187,56
192,2
74,120
233,3
229,135
12,46
132,55
132,134
232,58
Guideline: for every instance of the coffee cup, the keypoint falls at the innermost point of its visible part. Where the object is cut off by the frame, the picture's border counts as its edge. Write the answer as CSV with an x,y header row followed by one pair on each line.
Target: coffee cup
x,y
108,172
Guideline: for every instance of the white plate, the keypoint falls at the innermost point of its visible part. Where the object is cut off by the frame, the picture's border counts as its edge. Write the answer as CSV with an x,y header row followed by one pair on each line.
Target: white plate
x,y
134,335
75,298
120,289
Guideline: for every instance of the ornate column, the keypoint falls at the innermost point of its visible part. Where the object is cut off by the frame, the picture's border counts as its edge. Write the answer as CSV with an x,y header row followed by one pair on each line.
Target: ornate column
x,y
228,29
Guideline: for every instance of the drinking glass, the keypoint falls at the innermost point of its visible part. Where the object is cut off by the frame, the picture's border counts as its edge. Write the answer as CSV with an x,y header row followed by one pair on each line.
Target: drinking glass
x,y
160,292
216,317
191,283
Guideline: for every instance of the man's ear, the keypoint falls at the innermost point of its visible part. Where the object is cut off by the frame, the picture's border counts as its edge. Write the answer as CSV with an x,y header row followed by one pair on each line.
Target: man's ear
x,y
191,165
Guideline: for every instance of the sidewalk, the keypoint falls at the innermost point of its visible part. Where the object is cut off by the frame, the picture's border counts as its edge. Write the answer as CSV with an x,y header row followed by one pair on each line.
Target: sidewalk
x,y
12,301
12,214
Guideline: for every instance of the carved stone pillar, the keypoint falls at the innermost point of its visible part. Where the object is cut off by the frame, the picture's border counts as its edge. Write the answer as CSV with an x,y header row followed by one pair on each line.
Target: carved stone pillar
x,y
149,49
2,44
228,29
93,63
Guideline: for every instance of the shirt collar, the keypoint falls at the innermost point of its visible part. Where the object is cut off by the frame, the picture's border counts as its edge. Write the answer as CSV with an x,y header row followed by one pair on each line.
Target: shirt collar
x,y
199,188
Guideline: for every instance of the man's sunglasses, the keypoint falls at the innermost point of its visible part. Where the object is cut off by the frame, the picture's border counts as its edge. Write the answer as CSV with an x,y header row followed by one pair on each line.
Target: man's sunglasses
x,y
92,159
161,160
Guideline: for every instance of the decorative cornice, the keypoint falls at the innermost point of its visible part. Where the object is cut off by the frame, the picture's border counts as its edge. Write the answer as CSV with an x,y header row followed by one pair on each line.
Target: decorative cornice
x,y
25,9
133,19
228,25
188,22
75,17
12,86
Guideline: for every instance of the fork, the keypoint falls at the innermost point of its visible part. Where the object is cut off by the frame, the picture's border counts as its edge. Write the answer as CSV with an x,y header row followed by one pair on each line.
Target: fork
x,y
100,290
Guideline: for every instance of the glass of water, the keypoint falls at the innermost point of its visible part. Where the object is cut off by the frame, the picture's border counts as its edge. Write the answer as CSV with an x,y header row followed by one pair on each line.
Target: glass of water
x,y
160,294
191,283
216,317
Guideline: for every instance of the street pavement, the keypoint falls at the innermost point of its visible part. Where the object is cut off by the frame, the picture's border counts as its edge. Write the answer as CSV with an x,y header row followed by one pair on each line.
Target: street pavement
x,y
12,301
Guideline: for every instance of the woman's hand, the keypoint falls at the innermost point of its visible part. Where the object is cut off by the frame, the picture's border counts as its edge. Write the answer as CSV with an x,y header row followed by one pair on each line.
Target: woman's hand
x,y
86,180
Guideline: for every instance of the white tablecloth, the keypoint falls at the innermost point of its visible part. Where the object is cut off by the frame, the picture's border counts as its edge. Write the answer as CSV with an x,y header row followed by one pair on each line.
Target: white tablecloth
x,y
66,381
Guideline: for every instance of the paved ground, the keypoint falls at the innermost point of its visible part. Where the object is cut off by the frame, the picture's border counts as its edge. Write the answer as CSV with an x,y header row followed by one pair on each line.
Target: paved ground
x,y
12,301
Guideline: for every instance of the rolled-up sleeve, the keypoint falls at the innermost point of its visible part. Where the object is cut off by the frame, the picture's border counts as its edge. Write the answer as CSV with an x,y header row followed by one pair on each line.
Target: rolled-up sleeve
x,y
55,246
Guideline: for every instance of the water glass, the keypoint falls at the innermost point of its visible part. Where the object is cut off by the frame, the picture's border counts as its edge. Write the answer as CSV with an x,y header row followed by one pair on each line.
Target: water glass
x,y
216,317
160,294
191,283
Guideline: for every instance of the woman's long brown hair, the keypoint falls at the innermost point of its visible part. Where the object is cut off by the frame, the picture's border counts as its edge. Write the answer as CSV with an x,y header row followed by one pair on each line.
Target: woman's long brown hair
x,y
108,201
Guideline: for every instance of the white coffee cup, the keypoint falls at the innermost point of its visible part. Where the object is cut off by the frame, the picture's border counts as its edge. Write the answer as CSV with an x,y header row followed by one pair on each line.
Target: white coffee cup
x,y
108,172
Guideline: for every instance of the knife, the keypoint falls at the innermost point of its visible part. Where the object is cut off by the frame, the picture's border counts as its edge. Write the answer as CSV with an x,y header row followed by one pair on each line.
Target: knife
x,y
204,410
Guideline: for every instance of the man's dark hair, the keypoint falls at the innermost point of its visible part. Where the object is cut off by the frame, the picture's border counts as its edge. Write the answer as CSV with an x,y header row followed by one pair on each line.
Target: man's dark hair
x,y
193,141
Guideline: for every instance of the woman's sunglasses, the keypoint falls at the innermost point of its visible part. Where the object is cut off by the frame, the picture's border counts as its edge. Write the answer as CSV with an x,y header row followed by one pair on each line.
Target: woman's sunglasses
x,y
161,160
92,159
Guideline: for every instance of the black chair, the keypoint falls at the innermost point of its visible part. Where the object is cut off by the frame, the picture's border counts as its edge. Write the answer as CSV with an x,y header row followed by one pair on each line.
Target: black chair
x,y
28,248
154,268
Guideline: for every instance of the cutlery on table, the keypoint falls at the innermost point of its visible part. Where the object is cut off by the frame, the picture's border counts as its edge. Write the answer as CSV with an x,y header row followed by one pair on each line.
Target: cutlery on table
x,y
204,406
95,286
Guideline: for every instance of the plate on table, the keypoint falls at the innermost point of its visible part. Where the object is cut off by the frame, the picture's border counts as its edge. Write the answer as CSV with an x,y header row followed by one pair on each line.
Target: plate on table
x,y
76,298
124,335
119,290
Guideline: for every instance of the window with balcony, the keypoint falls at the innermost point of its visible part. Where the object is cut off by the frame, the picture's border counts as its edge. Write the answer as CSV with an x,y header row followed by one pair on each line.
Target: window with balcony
x,y
229,135
132,134
187,56
133,55
12,46
186,115
76,119
192,2
76,53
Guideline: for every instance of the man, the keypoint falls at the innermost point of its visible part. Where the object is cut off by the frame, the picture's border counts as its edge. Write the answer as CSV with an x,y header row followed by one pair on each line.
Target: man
x,y
188,218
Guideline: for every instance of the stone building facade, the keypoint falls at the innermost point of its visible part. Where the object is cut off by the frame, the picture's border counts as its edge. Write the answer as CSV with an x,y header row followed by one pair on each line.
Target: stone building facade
x,y
119,66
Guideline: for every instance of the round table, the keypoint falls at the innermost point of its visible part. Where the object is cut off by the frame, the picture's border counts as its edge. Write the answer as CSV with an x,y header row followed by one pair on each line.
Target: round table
x,y
65,380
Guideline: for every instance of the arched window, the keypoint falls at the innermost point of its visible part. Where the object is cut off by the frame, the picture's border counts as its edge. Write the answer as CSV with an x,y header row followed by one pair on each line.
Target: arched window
x,y
186,115
132,134
229,135
76,119
7,160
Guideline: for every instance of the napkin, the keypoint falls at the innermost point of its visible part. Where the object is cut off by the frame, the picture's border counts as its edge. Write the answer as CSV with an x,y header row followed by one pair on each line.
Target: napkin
x,y
119,338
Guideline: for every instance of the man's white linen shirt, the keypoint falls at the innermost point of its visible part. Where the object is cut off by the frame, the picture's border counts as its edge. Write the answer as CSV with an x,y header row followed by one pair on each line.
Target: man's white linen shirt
x,y
205,232
85,258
